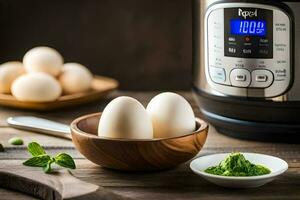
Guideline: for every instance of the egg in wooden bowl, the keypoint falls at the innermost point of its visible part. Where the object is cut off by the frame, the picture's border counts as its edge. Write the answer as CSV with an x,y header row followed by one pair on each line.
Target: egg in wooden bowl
x,y
135,154
131,154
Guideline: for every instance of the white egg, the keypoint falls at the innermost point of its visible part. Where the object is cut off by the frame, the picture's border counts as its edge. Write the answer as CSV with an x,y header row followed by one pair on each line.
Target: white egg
x,y
171,115
9,71
125,117
36,87
43,59
75,78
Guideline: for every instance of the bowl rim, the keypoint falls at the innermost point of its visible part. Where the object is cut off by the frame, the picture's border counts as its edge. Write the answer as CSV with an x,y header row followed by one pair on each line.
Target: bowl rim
x,y
74,128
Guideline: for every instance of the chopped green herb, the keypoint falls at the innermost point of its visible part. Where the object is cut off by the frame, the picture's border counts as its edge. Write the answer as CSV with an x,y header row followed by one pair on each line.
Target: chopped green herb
x,y
16,141
42,159
237,165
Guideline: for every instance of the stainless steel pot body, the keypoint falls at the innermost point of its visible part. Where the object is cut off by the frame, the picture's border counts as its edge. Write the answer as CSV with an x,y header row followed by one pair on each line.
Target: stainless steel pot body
x,y
202,80
266,107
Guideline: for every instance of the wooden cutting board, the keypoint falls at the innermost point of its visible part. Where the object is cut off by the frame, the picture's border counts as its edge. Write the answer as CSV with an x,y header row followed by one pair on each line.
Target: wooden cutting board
x,y
59,185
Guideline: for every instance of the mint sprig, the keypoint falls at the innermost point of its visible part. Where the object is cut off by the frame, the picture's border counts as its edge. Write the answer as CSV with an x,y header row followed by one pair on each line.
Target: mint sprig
x,y
42,159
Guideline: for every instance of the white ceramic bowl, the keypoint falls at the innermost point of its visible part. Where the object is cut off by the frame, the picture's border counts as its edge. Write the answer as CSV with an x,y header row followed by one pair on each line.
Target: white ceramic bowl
x,y
276,165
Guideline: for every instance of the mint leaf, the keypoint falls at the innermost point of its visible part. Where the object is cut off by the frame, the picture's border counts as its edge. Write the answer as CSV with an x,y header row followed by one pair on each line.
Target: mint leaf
x,y
37,161
65,160
35,149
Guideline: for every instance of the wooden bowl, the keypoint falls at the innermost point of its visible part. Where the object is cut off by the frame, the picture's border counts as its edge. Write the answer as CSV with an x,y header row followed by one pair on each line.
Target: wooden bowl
x,y
101,86
135,155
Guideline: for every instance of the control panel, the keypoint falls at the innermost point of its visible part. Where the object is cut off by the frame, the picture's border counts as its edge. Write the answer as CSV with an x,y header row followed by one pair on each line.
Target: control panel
x,y
248,49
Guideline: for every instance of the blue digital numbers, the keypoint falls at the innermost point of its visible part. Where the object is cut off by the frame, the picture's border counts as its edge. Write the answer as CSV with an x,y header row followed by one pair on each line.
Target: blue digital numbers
x,y
248,27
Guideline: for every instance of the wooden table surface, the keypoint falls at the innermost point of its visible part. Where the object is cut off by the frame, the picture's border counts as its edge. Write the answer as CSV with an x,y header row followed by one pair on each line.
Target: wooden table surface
x,y
178,183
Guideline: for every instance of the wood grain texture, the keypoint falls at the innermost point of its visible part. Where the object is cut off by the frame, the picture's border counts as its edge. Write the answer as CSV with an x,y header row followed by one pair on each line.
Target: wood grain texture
x,y
11,194
135,155
57,186
176,184
100,87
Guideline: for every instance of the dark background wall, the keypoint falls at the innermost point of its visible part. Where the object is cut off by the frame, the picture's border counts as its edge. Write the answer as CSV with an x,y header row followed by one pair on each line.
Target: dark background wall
x,y
145,44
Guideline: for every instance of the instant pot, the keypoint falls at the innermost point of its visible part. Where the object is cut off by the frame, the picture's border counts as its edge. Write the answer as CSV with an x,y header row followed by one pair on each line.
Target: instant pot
x,y
246,59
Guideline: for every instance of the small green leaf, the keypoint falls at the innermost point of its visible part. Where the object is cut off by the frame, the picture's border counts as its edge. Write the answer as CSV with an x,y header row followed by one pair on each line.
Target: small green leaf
x,y
65,160
1,148
35,149
47,168
37,161
16,141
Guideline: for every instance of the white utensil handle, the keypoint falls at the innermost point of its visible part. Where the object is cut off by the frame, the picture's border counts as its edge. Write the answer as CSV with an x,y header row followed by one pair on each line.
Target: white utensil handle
x,y
40,125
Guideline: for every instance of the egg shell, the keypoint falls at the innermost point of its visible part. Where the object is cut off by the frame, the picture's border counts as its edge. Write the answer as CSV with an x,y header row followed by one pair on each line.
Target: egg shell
x,y
43,59
9,71
75,78
125,117
171,115
36,87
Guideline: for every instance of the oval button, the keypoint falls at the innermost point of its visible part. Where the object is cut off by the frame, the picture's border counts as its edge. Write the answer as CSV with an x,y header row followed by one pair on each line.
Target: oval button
x,y
240,78
261,78
217,74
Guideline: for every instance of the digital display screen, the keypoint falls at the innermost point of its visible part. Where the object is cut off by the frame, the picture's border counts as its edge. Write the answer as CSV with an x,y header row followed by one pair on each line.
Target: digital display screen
x,y
248,27
248,32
